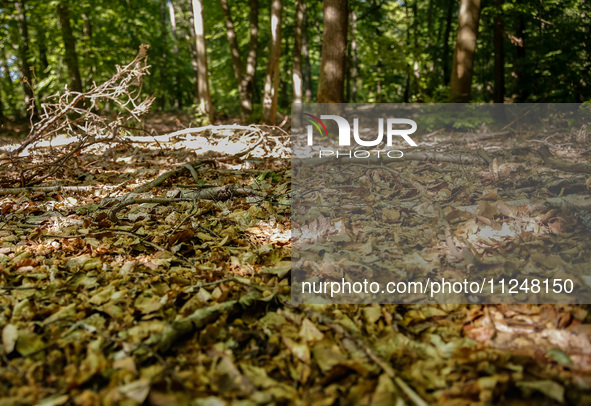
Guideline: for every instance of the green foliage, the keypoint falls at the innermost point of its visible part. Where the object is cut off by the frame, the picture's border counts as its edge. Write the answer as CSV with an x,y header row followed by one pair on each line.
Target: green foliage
x,y
402,50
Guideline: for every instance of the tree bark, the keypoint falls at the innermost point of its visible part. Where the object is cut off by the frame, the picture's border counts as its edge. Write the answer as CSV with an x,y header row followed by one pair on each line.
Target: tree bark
x,y
499,95
331,84
1,109
445,53
42,46
251,59
175,48
307,65
70,47
463,62
243,78
520,68
23,52
297,77
162,66
205,106
194,62
272,76
88,54
353,56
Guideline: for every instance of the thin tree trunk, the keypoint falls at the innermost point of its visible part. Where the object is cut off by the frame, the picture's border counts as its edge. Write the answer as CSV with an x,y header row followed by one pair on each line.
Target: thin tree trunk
x,y
251,59
406,97
23,52
235,53
298,79
307,66
354,56
70,46
172,16
88,52
162,100
499,96
520,71
42,45
331,84
243,78
194,61
1,109
429,23
272,76
446,35
175,48
463,62
205,106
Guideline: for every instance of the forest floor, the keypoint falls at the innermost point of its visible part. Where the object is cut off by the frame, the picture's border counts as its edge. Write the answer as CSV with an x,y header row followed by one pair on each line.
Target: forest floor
x,y
186,299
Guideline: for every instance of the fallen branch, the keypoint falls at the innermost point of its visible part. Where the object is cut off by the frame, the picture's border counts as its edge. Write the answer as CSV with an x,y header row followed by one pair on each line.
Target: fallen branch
x,y
217,193
198,319
578,201
146,187
18,190
167,137
561,165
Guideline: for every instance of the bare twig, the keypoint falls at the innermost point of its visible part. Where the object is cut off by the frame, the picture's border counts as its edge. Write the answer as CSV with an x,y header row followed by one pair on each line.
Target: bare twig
x,y
76,115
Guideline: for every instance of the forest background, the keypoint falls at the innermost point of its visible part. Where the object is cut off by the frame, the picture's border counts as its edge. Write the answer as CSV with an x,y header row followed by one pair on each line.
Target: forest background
x,y
259,56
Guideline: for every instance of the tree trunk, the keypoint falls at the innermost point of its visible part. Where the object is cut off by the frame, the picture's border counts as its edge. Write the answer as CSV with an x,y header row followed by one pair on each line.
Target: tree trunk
x,y
348,73
42,46
194,62
354,57
1,109
499,96
298,79
307,66
446,35
520,68
463,62
235,52
243,78
272,76
251,59
205,106
23,52
88,54
162,68
70,46
172,16
175,47
331,83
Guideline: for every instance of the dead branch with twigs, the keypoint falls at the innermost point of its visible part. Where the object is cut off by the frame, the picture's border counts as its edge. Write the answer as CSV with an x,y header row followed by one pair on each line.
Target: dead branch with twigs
x,y
78,116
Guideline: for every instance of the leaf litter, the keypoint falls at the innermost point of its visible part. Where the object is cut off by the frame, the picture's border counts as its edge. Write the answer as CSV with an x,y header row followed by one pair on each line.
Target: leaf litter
x,y
188,302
